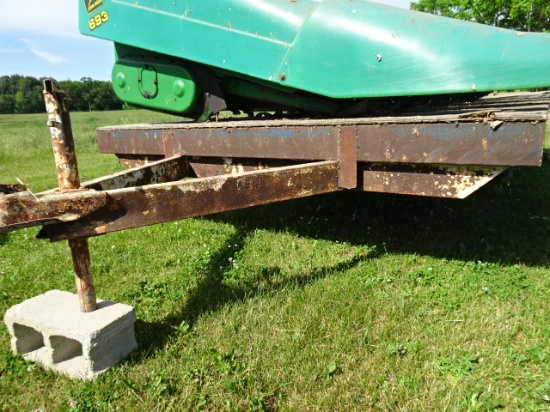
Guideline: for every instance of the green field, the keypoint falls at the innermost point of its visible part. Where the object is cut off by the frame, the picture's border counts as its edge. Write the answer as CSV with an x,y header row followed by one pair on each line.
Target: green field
x,y
348,301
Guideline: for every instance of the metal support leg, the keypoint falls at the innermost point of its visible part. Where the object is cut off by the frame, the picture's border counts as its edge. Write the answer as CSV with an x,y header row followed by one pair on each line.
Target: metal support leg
x,y
67,178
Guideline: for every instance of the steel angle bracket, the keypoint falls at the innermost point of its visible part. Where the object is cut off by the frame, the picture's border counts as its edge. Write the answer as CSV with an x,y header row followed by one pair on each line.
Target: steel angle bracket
x,y
448,181
138,206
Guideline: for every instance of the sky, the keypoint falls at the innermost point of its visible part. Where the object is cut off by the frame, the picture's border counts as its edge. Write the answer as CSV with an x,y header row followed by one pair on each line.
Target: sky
x,y
41,39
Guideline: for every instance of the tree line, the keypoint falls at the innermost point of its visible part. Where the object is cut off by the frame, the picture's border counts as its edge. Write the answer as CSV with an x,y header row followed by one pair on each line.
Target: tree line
x,y
523,15
23,94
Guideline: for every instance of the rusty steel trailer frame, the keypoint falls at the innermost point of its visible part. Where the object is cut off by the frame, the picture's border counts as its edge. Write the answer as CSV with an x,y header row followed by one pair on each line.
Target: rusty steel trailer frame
x,y
183,170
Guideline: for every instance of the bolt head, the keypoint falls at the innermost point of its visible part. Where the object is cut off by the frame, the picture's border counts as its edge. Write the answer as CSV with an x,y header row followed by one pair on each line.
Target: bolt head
x,y
121,80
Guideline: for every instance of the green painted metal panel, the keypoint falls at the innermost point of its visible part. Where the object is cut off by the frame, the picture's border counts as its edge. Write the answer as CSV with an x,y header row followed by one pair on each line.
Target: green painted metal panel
x,y
366,49
218,40
334,48
159,85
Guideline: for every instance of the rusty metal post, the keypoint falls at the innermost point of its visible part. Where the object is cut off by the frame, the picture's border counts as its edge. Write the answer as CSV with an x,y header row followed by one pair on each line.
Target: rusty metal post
x,y
67,177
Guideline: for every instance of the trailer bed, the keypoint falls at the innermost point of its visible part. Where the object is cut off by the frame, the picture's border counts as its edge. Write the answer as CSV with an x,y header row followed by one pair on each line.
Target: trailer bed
x,y
447,151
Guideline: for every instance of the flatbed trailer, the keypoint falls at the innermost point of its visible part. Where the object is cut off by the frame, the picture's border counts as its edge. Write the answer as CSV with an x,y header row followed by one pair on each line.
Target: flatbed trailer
x,y
182,170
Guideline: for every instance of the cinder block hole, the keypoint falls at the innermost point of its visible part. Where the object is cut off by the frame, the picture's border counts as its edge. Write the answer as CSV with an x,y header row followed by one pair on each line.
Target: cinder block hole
x,y
27,338
64,348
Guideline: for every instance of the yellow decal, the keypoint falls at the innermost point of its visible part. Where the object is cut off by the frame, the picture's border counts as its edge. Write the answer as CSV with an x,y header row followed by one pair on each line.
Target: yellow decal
x,y
91,5
98,20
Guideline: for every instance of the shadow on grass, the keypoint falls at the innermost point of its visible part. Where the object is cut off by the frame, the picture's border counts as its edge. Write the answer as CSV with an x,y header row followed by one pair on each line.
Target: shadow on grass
x,y
213,292
4,237
501,223
504,222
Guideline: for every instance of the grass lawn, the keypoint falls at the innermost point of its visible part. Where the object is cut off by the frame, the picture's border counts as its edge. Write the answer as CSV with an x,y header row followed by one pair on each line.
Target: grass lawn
x,y
347,301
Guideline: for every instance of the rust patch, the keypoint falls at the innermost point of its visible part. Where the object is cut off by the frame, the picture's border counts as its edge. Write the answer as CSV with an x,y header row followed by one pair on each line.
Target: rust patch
x,y
448,181
437,140
8,189
67,178
24,209
214,166
161,171
148,205
347,155
62,137
131,161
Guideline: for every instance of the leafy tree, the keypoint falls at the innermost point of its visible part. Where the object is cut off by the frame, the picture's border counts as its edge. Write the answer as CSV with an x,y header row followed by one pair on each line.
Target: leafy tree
x,y
7,103
525,15
23,94
7,86
21,103
73,90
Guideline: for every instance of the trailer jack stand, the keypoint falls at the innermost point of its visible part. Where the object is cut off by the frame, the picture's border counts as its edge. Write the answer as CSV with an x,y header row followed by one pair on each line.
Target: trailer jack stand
x,y
50,329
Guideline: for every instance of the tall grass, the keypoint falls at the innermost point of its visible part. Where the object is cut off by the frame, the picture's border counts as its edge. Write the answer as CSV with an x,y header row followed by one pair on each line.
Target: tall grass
x,y
347,301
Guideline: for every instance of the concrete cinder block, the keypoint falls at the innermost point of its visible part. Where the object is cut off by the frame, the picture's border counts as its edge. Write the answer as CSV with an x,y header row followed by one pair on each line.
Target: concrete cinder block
x,y
51,330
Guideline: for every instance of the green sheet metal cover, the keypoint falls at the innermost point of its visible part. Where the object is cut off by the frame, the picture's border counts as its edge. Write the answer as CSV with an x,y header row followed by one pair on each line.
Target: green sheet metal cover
x,y
336,48
160,85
